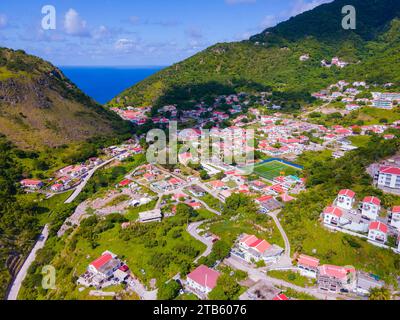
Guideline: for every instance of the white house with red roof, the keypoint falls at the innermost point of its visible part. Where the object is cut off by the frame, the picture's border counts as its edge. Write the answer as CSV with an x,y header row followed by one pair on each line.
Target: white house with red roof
x,y
395,218
57,187
252,249
370,208
336,279
105,265
378,232
202,280
308,266
389,177
346,199
32,184
332,215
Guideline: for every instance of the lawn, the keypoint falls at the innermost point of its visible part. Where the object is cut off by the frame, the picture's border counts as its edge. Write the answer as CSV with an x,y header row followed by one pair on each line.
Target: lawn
x,y
292,277
230,230
271,170
360,141
74,258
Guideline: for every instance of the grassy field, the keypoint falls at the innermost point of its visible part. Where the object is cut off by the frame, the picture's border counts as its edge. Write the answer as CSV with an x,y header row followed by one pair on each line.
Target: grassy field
x,y
292,277
360,141
271,170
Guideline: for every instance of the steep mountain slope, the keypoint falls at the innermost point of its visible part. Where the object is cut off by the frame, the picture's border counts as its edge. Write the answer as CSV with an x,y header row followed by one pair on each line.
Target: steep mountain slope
x,y
271,59
40,107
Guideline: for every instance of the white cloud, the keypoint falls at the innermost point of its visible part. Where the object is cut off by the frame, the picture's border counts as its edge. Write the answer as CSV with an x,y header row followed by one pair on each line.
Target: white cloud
x,y
269,21
300,6
233,2
127,45
74,25
101,33
3,21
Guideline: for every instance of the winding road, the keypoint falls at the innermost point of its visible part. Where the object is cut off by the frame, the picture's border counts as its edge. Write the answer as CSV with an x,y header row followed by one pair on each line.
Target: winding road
x,y
16,285
193,231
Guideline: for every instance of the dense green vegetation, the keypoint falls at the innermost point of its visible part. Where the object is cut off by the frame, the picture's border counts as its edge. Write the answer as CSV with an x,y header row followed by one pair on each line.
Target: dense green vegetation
x,y
18,218
373,50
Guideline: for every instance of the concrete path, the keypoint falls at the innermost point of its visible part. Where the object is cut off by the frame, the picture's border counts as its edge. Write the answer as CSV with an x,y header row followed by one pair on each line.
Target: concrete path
x,y
274,216
16,285
193,231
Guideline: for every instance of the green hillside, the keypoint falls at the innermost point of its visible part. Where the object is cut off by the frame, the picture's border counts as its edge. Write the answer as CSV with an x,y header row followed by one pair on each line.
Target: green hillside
x,y
270,60
40,107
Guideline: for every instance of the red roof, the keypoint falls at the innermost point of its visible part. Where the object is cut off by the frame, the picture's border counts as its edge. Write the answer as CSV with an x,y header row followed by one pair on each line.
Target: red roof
x,y
334,211
217,184
98,263
31,182
204,276
335,271
396,209
390,170
379,226
255,243
347,192
264,198
125,182
280,297
287,198
308,261
373,200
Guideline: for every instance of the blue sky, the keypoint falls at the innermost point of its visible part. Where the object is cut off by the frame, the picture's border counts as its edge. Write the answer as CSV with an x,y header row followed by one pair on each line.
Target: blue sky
x,y
136,32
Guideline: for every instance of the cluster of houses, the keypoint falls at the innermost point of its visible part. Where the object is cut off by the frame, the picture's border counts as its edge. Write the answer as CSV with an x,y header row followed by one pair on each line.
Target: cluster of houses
x,y
347,93
334,62
364,220
72,175
337,279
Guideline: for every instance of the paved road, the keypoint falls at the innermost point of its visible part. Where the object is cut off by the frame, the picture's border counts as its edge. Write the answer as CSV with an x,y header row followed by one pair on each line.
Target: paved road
x,y
257,275
193,231
16,285
141,291
274,215
82,185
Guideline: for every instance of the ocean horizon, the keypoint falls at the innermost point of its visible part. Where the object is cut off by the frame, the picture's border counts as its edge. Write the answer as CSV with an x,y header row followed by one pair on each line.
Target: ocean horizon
x,y
103,83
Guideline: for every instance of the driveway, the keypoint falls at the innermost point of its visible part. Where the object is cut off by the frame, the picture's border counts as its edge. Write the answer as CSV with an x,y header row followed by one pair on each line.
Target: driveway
x,y
193,231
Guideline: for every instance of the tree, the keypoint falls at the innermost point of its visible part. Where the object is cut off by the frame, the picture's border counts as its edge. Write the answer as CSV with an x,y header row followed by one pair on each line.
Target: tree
x,y
380,294
168,291
227,288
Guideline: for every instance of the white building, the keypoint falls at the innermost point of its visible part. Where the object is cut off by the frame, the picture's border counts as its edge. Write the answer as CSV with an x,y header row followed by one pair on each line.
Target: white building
x,y
395,222
389,177
202,279
332,215
378,232
370,208
346,199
